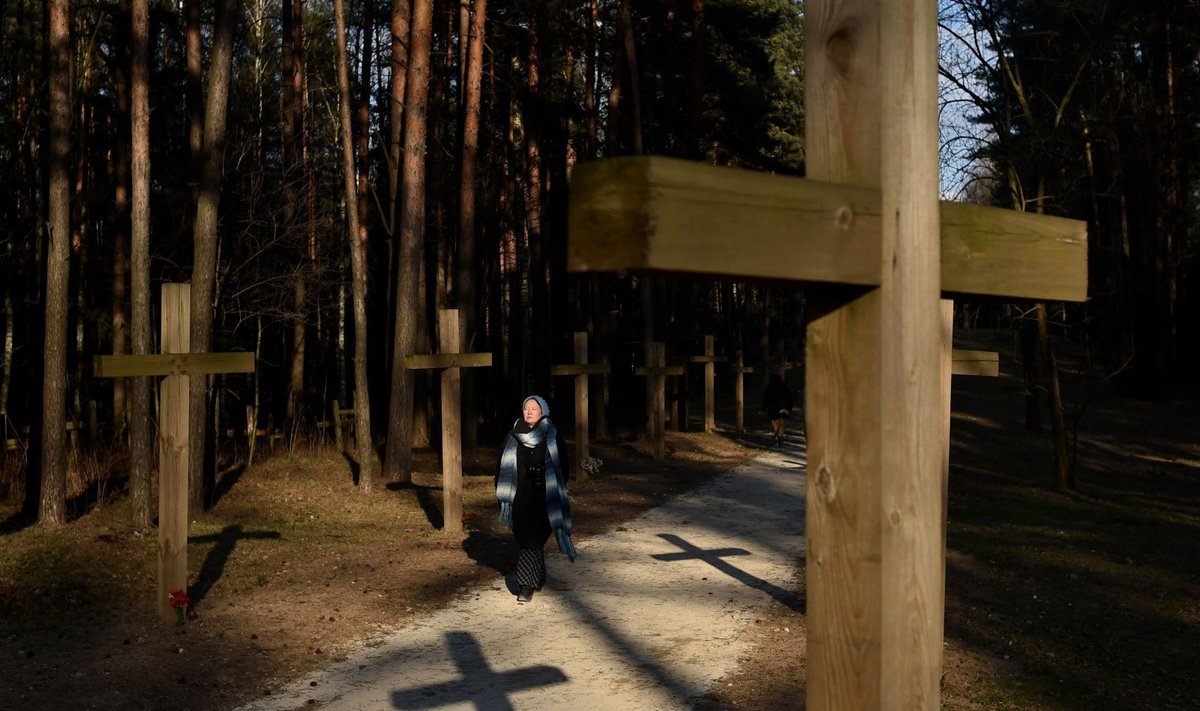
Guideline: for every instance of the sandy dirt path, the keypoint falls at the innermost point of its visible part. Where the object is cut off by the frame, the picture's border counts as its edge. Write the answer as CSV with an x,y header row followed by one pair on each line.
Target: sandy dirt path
x,y
647,617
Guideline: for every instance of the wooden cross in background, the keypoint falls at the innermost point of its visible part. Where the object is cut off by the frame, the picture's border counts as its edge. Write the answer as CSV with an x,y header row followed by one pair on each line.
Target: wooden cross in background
x,y
580,370
879,251
173,444
708,359
449,360
657,371
739,370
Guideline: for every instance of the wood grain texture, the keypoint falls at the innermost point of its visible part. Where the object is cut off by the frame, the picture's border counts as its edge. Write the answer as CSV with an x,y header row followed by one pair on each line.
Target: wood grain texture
x,y
912,487
173,452
981,363
650,213
121,366
447,360
450,341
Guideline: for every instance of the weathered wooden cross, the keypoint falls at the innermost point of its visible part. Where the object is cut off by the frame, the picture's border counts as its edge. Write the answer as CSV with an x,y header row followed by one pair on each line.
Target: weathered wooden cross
x,y
450,360
173,444
580,370
708,359
657,371
867,229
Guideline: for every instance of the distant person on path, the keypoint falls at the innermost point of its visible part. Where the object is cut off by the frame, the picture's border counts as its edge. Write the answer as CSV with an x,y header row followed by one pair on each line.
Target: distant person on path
x,y
777,406
531,485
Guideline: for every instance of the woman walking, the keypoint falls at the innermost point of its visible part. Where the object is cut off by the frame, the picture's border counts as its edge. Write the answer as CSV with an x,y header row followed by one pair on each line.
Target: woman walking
x,y
777,406
531,485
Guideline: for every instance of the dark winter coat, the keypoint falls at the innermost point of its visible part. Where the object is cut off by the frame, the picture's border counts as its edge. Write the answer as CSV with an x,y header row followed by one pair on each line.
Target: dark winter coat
x,y
531,522
777,398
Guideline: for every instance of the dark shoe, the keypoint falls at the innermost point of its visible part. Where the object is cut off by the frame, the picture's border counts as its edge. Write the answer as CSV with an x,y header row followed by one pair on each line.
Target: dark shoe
x,y
526,594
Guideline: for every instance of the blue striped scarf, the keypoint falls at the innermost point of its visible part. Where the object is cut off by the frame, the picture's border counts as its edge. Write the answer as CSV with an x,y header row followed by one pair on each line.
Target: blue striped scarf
x,y
558,506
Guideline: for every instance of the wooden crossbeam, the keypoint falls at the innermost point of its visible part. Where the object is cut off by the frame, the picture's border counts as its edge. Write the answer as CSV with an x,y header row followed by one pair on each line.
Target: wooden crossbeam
x,y
581,369
660,370
125,366
447,360
981,363
651,213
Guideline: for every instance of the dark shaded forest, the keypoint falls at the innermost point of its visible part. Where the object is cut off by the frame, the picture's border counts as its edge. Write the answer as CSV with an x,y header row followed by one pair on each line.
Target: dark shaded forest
x,y
328,175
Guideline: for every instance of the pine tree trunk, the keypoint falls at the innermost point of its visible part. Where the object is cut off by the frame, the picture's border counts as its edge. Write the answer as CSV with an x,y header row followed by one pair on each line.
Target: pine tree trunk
x,y
291,127
398,461
141,451
368,470
53,490
204,234
468,190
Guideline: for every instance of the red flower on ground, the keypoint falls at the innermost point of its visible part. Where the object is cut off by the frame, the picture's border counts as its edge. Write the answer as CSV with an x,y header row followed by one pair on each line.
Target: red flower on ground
x,y
179,598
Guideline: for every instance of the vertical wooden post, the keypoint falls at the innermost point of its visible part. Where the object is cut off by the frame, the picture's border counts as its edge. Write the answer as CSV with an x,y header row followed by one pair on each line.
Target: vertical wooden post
x,y
173,451
710,416
875,559
450,341
658,382
739,391
581,402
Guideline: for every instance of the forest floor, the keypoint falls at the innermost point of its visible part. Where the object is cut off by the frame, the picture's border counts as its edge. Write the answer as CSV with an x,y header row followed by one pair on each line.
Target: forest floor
x,y
1088,600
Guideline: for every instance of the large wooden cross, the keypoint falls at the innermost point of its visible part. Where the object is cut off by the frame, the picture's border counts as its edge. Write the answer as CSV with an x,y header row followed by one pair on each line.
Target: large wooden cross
x,y
173,443
449,361
866,233
580,370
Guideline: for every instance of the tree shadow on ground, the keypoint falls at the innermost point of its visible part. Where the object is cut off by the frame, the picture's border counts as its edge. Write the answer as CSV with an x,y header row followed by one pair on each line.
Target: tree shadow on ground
x,y
489,549
428,498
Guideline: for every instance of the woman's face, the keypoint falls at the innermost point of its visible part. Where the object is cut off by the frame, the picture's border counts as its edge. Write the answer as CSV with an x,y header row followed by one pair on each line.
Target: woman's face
x,y
532,411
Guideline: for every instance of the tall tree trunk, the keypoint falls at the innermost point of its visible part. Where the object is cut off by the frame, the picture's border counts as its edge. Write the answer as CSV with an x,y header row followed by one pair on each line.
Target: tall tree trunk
x,y
1064,472
468,190
204,235
9,328
195,84
401,12
398,460
368,469
52,500
141,451
693,143
291,126
625,23
539,301
589,82
119,173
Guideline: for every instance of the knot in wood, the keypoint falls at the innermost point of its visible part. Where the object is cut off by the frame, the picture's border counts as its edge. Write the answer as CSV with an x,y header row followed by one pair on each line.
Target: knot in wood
x,y
844,218
841,48
825,484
